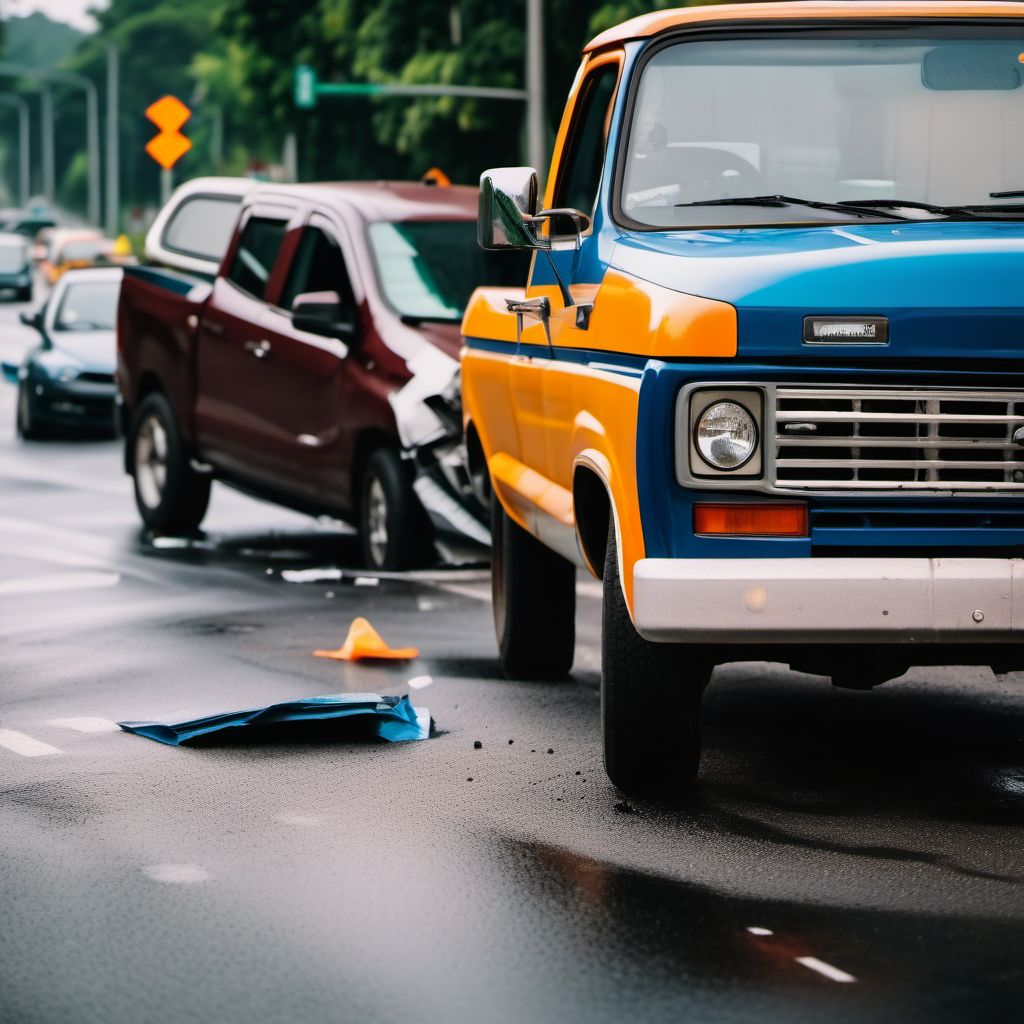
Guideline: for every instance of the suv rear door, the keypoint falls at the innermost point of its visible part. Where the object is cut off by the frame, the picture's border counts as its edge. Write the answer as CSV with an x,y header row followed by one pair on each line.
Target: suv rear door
x,y
235,387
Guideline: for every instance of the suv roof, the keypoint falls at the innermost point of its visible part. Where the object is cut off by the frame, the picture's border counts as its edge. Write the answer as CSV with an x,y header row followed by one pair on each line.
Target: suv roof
x,y
661,21
384,200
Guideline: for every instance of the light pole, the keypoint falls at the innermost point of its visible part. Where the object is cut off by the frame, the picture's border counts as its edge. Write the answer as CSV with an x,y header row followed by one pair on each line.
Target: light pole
x,y
11,99
46,116
536,137
113,141
92,107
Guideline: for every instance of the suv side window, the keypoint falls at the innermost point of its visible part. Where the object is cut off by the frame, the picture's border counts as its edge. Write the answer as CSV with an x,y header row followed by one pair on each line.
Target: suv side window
x,y
580,176
317,266
202,226
257,249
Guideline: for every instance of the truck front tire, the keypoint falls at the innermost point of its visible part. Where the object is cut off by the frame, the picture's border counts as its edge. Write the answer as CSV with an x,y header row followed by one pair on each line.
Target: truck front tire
x,y
534,598
170,495
650,699
395,532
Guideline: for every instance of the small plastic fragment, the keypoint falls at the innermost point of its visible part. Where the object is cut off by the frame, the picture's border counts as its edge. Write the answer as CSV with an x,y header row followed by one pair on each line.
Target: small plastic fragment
x,y
363,641
388,718
477,745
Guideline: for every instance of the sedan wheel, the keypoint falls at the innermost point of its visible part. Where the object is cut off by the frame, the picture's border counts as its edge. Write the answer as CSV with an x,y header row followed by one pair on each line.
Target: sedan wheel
x,y
25,422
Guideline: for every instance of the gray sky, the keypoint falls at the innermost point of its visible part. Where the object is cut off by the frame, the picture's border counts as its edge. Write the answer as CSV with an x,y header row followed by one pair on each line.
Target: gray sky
x,y
75,12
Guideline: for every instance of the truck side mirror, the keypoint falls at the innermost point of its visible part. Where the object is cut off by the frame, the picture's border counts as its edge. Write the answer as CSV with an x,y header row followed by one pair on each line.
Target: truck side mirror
x,y
324,313
33,319
509,198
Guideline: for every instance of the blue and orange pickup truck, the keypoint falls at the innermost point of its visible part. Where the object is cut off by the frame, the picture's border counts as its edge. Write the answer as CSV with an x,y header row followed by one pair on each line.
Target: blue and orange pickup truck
x,y
765,377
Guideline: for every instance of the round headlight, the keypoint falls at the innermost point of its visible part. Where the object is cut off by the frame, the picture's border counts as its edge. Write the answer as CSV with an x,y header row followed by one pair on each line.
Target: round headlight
x,y
726,435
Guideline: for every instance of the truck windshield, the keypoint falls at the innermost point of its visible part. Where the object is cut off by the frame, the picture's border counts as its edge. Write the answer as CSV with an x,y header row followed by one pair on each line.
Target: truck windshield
x,y
933,121
428,269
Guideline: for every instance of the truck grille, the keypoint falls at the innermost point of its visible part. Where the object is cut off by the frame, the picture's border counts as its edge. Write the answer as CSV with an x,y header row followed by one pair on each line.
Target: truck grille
x,y
898,439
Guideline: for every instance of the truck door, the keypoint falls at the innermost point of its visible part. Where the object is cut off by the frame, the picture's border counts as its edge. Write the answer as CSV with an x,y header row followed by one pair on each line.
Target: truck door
x,y
234,387
308,435
538,384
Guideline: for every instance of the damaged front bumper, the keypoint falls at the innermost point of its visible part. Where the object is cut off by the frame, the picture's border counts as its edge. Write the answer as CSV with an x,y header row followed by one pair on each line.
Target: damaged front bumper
x,y
428,413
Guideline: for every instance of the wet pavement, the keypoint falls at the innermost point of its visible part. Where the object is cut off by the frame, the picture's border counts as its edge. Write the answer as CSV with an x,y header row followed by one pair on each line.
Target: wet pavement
x,y
847,856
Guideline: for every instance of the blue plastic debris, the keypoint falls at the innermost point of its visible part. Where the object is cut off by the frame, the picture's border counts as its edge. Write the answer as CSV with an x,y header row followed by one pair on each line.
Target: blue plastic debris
x,y
394,718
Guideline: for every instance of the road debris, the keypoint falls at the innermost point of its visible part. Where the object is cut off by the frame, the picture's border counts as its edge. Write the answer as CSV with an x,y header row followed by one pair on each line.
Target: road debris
x,y
477,745
363,641
419,682
388,718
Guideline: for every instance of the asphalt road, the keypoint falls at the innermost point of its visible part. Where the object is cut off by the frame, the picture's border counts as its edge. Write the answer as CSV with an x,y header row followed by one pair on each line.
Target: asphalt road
x,y
846,857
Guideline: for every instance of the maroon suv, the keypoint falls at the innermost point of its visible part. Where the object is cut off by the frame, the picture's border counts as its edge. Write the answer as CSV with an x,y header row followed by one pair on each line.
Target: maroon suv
x,y
319,366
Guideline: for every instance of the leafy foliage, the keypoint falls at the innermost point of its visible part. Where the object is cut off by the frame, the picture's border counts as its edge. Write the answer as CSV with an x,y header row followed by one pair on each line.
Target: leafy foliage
x,y
233,61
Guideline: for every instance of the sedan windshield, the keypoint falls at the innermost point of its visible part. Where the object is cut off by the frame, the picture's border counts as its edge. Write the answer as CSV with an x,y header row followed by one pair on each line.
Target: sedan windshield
x,y
934,121
88,306
12,259
428,269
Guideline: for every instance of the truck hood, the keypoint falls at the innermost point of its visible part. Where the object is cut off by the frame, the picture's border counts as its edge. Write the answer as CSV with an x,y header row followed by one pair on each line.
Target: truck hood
x,y
949,289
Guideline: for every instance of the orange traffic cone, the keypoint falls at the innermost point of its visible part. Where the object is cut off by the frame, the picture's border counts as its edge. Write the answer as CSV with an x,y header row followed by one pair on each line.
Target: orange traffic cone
x,y
363,641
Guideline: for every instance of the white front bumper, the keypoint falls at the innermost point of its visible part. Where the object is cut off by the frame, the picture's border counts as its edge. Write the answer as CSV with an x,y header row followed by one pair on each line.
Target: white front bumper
x,y
829,600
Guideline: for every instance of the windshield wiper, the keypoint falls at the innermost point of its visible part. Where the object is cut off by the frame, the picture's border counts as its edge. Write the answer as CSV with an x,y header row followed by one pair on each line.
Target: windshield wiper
x,y
785,201
971,210
1014,193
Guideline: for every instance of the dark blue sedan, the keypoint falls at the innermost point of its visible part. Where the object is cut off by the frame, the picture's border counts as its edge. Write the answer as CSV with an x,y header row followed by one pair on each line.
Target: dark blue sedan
x,y
66,381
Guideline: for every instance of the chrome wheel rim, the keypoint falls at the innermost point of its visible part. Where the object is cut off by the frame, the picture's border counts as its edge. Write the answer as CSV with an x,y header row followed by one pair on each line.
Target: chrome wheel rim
x,y
151,461
377,522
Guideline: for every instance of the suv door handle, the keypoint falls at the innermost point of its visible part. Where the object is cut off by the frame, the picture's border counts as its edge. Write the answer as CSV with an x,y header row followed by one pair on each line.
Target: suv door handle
x,y
260,349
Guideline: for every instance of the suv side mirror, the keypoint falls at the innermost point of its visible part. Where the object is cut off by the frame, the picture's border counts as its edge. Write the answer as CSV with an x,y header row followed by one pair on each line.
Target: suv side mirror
x,y
31,319
325,314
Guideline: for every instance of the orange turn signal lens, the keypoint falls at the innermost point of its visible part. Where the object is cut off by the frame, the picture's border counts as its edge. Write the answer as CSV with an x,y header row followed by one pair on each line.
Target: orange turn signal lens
x,y
769,519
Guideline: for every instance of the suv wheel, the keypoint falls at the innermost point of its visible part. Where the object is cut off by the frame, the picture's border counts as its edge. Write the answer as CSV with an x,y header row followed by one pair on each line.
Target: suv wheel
x,y
643,686
170,495
534,598
394,530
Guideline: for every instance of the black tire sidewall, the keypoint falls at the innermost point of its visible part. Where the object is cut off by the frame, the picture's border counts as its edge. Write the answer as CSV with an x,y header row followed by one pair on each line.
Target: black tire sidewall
x,y
409,537
642,684
185,493
24,418
533,595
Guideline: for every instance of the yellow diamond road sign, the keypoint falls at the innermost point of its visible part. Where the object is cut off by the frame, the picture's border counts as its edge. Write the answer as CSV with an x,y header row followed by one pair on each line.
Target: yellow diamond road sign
x,y
168,114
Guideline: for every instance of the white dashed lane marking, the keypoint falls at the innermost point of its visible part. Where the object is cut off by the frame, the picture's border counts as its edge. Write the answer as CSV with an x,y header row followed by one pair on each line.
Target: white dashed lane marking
x,y
61,581
20,743
177,874
812,963
85,724
827,970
